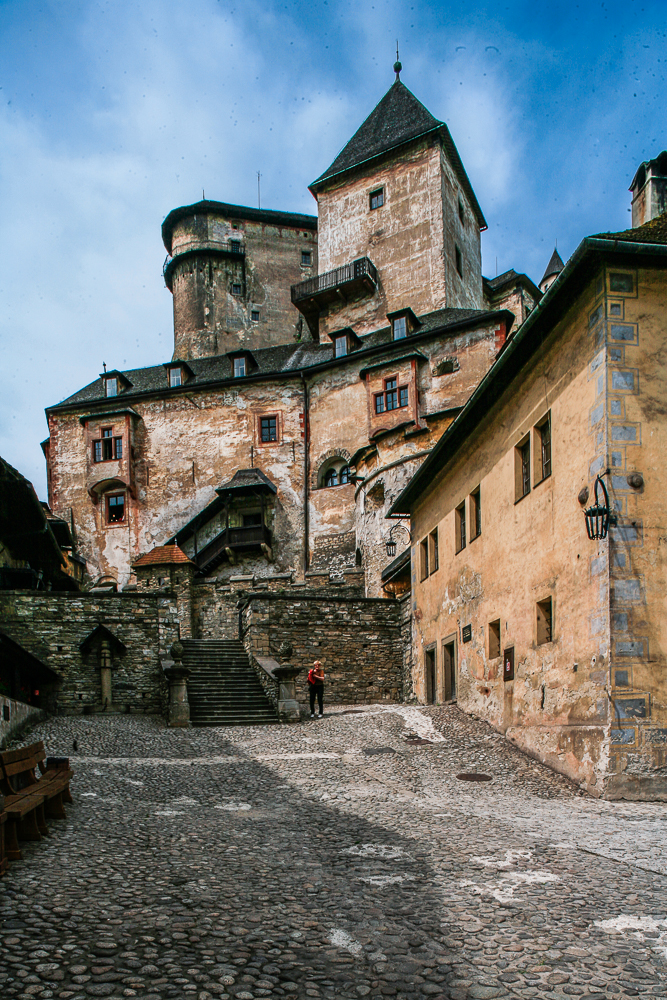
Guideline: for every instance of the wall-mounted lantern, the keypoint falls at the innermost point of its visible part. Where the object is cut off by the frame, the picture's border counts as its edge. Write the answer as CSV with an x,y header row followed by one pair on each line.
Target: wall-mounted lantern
x,y
599,517
391,543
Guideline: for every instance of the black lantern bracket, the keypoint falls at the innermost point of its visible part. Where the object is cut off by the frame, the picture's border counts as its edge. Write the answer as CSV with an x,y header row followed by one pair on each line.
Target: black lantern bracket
x,y
599,517
391,542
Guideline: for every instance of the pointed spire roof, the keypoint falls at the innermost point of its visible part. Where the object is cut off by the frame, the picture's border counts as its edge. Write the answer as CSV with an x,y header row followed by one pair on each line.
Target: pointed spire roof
x,y
399,118
554,267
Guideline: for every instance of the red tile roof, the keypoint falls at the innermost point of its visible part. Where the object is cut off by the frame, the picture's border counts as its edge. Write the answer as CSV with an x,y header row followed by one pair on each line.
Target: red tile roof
x,y
163,555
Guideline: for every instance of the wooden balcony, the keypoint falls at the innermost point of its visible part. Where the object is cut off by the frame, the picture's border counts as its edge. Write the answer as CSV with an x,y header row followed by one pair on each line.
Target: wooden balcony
x,y
230,541
352,280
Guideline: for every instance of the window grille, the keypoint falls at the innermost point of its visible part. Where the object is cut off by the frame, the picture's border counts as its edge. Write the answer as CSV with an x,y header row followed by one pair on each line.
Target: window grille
x,y
269,429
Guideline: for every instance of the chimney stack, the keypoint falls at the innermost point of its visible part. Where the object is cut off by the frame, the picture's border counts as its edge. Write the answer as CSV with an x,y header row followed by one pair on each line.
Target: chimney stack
x,y
649,190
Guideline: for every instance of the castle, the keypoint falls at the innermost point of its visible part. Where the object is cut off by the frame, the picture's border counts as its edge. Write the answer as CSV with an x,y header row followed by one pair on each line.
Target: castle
x,y
316,362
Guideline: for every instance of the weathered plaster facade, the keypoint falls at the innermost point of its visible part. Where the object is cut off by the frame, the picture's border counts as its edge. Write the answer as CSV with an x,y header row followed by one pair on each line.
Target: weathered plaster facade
x,y
581,621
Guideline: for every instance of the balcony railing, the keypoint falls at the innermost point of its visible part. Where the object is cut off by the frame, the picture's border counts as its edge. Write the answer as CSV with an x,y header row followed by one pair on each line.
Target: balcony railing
x,y
359,273
236,539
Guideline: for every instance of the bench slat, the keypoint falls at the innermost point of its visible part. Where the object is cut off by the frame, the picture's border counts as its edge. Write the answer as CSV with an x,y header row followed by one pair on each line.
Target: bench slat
x,y
34,750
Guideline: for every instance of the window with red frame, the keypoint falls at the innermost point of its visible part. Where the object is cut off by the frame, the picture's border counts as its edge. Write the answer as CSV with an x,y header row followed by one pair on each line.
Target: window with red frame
x,y
394,396
115,508
107,447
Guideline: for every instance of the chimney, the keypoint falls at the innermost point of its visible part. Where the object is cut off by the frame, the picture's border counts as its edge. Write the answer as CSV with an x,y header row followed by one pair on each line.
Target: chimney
x,y
649,190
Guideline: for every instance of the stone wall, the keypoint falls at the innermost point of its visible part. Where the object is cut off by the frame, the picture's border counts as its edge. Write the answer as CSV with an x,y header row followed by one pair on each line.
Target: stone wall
x,y
405,614
357,639
52,626
14,716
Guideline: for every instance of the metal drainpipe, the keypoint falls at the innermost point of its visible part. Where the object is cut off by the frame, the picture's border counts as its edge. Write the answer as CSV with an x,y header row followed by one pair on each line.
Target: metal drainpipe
x,y
306,472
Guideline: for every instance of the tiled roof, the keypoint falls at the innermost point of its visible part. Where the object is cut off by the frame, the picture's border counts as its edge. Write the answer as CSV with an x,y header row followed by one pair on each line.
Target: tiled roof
x,y
654,231
398,118
163,555
555,265
269,361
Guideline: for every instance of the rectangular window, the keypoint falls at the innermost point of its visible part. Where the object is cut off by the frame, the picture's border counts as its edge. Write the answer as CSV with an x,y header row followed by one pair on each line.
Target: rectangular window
x,y
621,283
615,309
175,378
340,347
118,447
235,246
461,215
239,367
254,315
111,387
399,327
306,258
544,621
423,559
97,451
403,396
236,288
115,508
542,439
494,639
460,516
434,559
475,514
379,402
377,198
459,260
522,468
269,428
508,664
391,394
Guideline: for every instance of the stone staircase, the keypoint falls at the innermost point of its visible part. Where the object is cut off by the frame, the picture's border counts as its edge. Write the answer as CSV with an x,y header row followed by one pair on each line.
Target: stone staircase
x,y
223,688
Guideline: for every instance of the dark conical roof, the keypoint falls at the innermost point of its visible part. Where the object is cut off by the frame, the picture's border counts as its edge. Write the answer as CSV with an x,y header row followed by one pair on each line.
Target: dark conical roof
x,y
398,118
555,266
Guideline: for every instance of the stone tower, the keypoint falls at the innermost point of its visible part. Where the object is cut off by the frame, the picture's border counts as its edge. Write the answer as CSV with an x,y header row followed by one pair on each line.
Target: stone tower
x,y
649,190
229,270
398,223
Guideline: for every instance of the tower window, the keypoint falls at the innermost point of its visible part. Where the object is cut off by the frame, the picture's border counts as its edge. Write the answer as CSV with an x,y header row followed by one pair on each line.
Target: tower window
x,y
306,258
376,198
544,621
254,315
111,386
542,440
460,537
107,447
240,369
269,429
476,516
175,377
236,288
235,246
522,468
115,506
461,215
394,396
459,260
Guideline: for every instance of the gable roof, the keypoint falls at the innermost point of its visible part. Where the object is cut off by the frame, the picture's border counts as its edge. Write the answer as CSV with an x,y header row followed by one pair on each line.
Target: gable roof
x,y
246,481
163,555
555,265
397,119
626,247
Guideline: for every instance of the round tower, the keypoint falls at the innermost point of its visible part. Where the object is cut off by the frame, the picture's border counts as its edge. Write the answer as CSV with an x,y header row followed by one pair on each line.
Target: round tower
x,y
230,270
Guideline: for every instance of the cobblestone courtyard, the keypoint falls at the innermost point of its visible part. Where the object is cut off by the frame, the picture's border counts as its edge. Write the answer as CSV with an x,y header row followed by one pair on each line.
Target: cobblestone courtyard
x,y
331,859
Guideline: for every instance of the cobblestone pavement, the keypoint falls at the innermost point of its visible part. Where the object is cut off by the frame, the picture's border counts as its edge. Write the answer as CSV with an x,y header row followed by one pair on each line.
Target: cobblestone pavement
x,y
331,859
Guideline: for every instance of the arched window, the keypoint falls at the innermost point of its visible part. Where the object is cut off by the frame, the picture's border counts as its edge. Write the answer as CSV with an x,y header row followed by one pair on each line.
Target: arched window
x,y
335,472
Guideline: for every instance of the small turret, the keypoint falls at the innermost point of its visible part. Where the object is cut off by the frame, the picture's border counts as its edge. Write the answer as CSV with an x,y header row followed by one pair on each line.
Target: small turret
x,y
649,190
554,267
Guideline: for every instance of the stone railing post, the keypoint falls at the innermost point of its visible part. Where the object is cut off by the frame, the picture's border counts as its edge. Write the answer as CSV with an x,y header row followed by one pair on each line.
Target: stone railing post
x,y
286,675
177,674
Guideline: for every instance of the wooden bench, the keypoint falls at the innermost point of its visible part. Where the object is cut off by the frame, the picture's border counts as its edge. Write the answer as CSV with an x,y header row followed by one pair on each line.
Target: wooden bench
x,y
29,799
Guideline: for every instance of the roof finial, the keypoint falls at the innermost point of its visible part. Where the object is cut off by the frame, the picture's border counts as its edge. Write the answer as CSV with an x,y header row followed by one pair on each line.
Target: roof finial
x,y
397,65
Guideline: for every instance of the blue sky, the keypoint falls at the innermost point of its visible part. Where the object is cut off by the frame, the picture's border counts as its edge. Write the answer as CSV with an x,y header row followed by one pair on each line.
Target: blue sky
x,y
114,112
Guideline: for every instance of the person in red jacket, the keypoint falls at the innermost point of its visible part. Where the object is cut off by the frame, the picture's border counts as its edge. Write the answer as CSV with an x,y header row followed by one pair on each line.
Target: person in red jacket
x,y
316,683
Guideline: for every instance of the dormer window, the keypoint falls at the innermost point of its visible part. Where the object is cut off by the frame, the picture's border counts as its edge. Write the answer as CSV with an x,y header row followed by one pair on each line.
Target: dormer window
x,y
239,367
340,347
403,323
175,377
399,327
111,386
344,341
